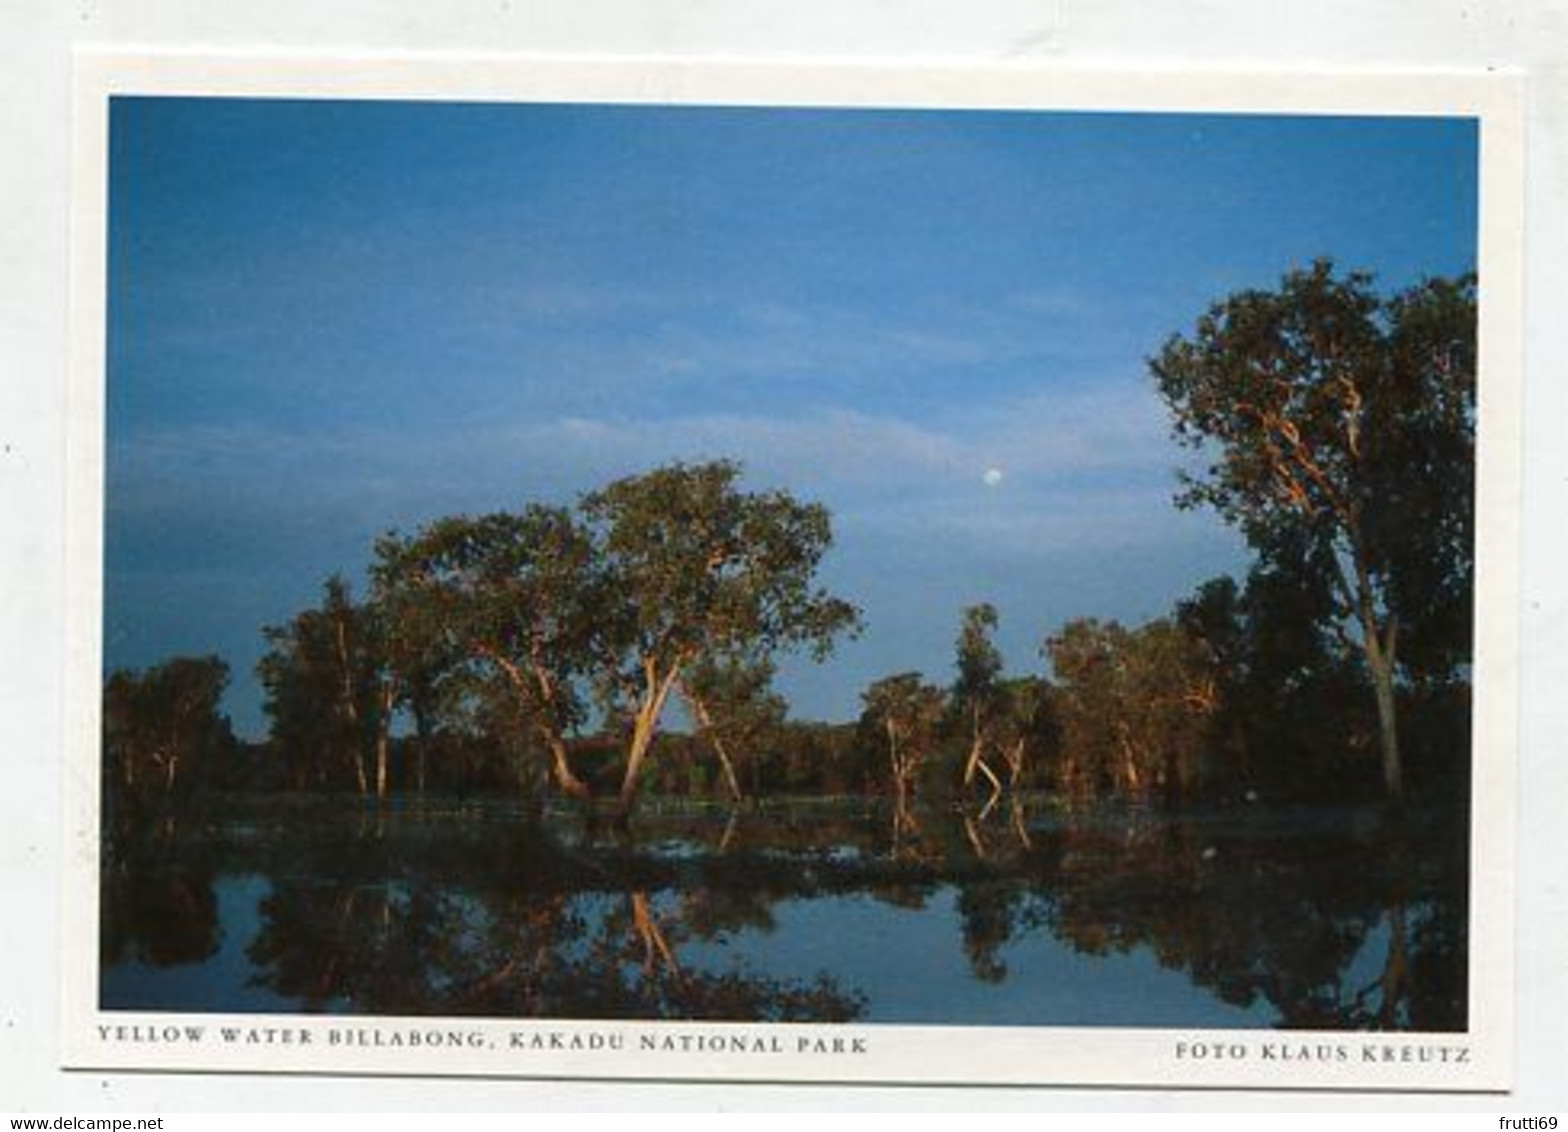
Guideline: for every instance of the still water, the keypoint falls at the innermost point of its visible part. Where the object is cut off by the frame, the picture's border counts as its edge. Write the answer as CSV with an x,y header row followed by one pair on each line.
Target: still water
x,y
805,911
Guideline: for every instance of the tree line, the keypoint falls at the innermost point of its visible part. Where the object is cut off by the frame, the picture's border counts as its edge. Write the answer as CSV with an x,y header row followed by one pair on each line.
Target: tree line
x,y
542,649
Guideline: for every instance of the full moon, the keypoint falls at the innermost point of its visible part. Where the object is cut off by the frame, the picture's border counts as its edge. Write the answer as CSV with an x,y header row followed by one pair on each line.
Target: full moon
x,y
992,477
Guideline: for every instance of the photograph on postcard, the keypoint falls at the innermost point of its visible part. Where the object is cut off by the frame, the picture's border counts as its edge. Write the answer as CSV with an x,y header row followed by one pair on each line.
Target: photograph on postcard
x,y
829,569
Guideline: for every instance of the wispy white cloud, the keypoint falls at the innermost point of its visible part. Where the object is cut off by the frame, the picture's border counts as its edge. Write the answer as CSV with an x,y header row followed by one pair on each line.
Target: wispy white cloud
x,y
1093,459
558,302
1060,300
1080,521
586,338
1049,433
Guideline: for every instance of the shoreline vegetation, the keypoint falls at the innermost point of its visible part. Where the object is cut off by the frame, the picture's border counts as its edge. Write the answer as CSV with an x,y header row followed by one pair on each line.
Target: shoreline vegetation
x,y
472,798
538,652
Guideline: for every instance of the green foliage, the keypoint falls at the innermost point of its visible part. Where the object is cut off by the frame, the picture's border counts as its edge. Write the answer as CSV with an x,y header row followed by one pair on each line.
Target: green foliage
x,y
736,710
505,624
1424,485
163,733
1292,719
998,730
1027,731
1339,428
1133,706
500,616
909,713
320,678
702,566
701,569
979,662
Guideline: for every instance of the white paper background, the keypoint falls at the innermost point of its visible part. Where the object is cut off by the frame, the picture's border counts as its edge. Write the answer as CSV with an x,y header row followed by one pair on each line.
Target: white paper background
x,y
36,37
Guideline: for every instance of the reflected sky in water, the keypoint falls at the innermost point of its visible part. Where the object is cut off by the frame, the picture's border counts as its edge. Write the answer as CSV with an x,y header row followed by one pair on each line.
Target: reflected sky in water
x,y
814,912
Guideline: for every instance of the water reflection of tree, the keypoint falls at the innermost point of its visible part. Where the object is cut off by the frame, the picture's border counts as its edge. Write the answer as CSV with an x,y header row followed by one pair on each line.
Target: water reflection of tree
x,y
1329,924
336,946
1314,921
598,946
634,971
1289,916
158,914
988,911
1324,928
992,903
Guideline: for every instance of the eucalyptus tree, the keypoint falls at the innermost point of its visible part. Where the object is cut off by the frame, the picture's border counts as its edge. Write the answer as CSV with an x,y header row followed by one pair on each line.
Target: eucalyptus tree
x,y
976,692
319,676
909,713
418,657
732,702
518,598
1007,720
1134,705
1086,656
1291,705
701,568
1340,425
161,724
1025,730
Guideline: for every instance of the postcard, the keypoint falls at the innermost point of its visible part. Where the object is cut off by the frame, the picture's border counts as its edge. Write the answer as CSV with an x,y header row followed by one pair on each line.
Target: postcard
x,y
685,571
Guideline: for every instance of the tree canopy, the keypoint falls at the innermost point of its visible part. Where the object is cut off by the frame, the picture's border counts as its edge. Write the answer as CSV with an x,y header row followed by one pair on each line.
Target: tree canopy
x,y
676,579
318,675
1134,705
1338,426
162,725
1333,426
517,599
704,568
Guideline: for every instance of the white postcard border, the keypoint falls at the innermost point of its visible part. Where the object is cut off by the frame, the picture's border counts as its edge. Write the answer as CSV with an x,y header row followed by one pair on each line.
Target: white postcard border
x,y
1479,1060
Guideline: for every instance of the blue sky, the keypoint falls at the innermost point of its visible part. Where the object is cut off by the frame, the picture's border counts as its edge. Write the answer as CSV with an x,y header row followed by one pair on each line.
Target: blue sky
x,y
331,319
